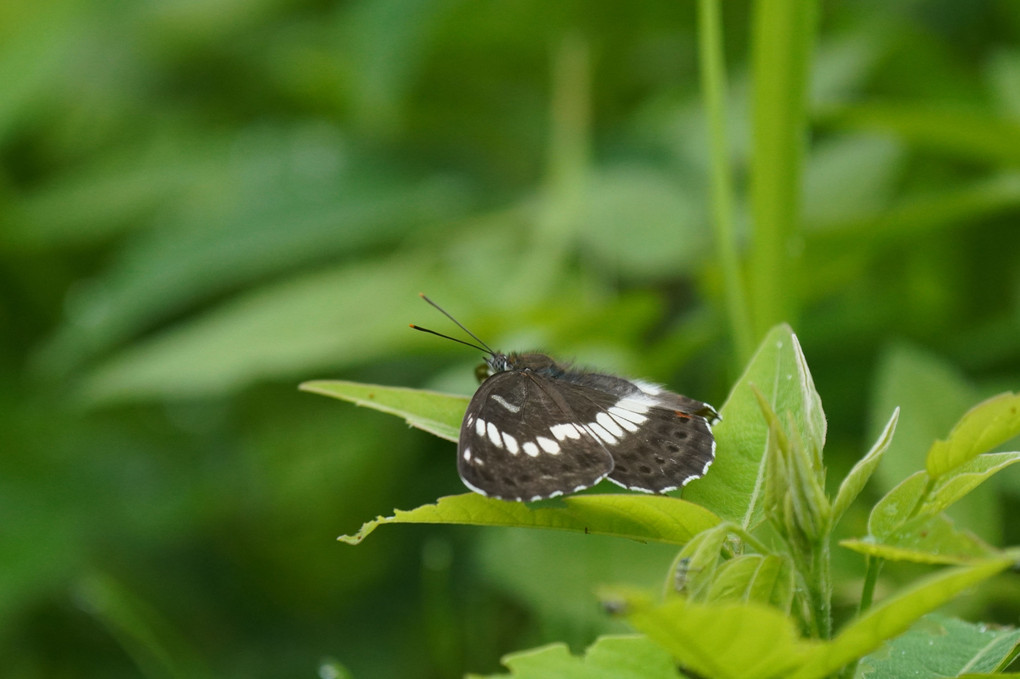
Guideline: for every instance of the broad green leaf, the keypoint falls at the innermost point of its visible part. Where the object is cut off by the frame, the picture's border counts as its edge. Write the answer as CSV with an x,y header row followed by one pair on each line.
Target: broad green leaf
x,y
753,577
919,496
638,517
944,646
981,429
723,640
894,616
929,539
431,411
854,482
734,487
610,657
298,326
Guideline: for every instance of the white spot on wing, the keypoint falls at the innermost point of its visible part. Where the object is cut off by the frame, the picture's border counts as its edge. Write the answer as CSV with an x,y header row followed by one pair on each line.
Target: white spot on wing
x,y
637,405
467,454
565,431
530,448
494,435
505,403
480,427
628,415
548,445
624,422
599,431
609,423
511,443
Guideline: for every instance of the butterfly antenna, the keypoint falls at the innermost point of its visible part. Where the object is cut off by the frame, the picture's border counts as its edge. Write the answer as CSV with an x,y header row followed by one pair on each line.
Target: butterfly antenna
x,y
484,347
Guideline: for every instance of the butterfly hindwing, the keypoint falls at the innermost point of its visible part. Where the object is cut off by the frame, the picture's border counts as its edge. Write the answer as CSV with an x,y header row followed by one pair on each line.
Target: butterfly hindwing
x,y
658,440
519,441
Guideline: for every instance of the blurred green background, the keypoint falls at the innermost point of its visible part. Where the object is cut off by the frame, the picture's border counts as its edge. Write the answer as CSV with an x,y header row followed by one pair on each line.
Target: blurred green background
x,y
203,204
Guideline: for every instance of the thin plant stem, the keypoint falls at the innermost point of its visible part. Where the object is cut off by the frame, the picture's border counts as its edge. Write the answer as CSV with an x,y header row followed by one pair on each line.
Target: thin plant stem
x,y
714,88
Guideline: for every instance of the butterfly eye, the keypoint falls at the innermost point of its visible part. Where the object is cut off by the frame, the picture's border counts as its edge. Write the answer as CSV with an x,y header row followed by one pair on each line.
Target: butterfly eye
x,y
483,371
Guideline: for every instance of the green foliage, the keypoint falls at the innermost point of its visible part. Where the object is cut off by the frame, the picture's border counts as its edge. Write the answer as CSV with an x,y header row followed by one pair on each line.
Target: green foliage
x,y
749,603
205,203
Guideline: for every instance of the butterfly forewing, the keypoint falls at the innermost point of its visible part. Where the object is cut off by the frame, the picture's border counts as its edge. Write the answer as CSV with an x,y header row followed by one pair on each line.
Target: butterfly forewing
x,y
520,441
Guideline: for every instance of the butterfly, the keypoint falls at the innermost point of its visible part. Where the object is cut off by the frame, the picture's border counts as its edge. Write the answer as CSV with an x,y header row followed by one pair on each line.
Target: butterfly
x,y
537,428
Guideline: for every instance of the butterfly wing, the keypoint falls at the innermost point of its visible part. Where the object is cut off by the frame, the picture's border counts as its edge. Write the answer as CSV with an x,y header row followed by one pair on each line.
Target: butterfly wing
x,y
520,441
659,440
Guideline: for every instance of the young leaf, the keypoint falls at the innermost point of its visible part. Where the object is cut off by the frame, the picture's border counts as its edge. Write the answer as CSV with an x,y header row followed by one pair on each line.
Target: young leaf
x,y
894,616
944,646
928,539
724,640
854,482
431,411
753,577
695,566
981,429
965,478
919,496
734,487
610,657
656,518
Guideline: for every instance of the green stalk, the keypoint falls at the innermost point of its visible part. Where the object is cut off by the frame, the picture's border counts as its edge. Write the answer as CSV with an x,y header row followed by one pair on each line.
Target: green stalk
x,y
783,35
873,568
713,84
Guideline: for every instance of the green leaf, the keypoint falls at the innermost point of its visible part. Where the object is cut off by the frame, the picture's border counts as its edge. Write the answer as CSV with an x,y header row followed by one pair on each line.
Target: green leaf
x,y
638,517
965,478
753,577
919,496
694,568
610,657
722,640
431,411
944,646
854,482
275,331
734,487
930,539
981,429
894,616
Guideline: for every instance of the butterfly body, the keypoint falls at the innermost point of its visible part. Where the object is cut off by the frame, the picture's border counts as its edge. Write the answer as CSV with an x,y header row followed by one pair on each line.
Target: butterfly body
x,y
537,429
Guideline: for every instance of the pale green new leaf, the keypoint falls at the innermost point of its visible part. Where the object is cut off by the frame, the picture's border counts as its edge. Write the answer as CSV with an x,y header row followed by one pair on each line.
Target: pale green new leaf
x,y
694,568
919,496
894,616
928,539
855,481
431,411
981,429
723,640
656,518
965,478
734,487
610,657
753,577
